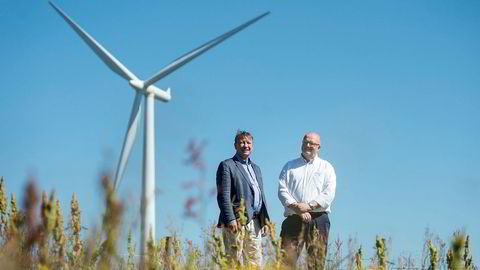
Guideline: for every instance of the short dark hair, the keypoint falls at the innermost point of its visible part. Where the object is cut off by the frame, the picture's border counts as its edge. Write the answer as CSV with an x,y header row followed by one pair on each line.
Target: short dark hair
x,y
243,133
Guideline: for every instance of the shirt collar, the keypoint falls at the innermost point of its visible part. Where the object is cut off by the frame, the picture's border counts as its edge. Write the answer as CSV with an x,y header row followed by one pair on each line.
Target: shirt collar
x,y
308,162
247,162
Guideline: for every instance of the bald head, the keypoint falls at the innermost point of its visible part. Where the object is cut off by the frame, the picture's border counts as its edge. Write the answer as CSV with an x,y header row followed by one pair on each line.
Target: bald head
x,y
312,135
310,145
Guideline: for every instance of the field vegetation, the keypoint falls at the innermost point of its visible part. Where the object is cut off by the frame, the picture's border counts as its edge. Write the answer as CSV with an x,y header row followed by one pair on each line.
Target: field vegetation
x,y
49,241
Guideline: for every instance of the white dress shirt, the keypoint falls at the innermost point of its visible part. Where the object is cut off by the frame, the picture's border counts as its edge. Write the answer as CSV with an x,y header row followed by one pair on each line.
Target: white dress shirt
x,y
306,181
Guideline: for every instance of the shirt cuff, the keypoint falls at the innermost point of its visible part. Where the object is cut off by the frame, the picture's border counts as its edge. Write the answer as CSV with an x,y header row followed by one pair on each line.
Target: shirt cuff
x,y
289,202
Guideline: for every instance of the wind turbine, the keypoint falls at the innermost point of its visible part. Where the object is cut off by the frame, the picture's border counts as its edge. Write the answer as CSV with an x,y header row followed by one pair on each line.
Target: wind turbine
x,y
150,92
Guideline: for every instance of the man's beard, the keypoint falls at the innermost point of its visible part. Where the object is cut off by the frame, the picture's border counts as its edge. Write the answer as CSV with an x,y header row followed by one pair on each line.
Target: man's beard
x,y
309,154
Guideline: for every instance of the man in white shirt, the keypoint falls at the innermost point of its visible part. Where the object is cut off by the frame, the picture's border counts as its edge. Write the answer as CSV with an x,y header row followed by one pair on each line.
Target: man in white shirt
x,y
306,188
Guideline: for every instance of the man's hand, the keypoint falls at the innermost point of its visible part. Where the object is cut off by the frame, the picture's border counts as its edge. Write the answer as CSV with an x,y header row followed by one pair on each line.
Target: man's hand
x,y
232,227
300,208
304,207
306,217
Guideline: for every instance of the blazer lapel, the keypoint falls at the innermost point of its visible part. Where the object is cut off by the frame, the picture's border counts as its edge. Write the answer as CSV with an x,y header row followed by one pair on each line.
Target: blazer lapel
x,y
242,170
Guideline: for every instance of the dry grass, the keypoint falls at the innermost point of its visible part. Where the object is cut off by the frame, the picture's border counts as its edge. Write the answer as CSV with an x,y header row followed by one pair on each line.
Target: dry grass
x,y
28,242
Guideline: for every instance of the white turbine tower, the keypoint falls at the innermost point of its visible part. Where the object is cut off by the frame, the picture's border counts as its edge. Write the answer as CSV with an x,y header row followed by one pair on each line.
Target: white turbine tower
x,y
150,92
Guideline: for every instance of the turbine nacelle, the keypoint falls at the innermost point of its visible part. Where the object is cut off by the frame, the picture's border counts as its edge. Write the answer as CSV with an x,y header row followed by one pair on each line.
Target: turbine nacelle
x,y
160,94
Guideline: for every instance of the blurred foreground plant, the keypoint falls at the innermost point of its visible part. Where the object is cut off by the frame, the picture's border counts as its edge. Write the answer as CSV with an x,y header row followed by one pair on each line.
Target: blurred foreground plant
x,y
28,243
381,253
458,256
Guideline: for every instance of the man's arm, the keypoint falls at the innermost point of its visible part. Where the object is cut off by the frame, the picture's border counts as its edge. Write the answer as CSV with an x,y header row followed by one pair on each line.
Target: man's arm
x,y
224,185
283,193
325,199
286,198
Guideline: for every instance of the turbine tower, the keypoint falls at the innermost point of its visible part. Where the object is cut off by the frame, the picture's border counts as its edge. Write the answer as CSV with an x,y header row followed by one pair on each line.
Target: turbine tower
x,y
150,92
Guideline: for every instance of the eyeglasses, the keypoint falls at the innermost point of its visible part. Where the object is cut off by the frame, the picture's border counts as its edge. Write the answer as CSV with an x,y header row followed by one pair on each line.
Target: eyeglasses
x,y
310,143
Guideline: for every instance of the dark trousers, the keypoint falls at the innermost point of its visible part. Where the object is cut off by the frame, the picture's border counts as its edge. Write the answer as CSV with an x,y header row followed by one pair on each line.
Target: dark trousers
x,y
295,234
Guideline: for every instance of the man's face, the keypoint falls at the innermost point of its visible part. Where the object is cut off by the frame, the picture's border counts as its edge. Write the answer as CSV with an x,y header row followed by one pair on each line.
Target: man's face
x,y
310,146
244,146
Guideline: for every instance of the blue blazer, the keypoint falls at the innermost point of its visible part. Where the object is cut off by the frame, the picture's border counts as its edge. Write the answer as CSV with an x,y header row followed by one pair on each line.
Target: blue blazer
x,y
232,185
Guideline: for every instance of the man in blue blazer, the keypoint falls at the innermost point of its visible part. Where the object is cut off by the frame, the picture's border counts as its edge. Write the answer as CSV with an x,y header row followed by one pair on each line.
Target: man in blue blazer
x,y
240,180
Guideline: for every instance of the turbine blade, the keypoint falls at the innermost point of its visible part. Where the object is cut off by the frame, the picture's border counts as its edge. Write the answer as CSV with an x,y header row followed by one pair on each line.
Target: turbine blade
x,y
106,57
179,62
129,138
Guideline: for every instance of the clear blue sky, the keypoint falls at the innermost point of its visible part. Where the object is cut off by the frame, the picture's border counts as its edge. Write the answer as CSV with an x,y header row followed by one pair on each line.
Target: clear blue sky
x,y
391,86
